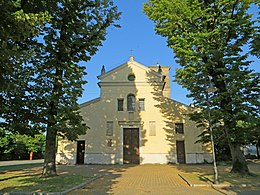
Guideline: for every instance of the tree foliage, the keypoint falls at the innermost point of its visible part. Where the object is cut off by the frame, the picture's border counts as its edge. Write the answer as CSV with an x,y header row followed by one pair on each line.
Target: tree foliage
x,y
20,22
255,44
73,34
43,72
17,146
209,38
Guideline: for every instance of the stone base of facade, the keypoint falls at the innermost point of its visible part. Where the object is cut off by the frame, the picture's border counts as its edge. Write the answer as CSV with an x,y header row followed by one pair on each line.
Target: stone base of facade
x,y
100,158
197,158
66,158
157,159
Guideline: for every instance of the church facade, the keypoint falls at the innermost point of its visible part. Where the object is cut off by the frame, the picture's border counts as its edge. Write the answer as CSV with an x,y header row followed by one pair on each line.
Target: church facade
x,y
135,121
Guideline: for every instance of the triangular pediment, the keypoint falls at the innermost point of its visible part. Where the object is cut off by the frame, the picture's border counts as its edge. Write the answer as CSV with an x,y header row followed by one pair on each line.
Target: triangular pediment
x,y
121,73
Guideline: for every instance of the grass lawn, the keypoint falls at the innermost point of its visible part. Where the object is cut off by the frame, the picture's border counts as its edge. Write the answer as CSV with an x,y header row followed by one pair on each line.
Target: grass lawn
x,y
18,167
203,174
28,180
224,178
196,178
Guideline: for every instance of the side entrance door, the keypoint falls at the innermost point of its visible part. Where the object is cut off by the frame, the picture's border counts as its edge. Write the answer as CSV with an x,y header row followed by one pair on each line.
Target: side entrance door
x,y
180,147
80,152
131,146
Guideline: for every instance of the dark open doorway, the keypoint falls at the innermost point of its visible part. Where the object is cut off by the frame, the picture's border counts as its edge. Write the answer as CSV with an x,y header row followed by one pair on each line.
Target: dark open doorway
x,y
80,152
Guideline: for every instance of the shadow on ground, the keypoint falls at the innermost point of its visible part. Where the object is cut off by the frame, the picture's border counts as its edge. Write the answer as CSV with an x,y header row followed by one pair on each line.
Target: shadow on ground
x,y
29,180
203,174
107,177
142,179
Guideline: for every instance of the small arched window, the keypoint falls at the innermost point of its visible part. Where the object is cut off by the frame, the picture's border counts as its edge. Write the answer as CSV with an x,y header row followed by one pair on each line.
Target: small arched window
x,y
131,102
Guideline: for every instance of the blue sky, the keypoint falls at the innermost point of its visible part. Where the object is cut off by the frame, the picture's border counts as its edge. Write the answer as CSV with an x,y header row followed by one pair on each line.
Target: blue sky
x,y
137,34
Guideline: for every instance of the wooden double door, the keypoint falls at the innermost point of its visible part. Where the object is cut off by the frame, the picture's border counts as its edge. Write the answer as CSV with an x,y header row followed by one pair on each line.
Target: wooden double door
x,y
131,146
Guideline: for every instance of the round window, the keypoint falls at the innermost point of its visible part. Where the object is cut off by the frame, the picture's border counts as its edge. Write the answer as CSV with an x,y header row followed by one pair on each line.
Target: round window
x,y
131,77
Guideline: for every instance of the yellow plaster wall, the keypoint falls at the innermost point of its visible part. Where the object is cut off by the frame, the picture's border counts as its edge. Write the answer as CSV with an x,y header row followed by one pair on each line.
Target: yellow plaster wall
x,y
163,110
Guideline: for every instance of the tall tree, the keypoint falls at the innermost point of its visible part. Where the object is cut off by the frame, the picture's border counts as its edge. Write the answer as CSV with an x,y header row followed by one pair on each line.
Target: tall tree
x,y
73,34
20,22
42,43
208,39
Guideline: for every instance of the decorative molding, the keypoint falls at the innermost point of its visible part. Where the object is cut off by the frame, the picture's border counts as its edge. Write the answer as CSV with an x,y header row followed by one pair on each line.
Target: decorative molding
x,y
130,123
129,83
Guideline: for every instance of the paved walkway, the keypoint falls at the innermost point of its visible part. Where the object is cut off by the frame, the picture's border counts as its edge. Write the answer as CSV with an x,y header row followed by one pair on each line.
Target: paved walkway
x,y
140,180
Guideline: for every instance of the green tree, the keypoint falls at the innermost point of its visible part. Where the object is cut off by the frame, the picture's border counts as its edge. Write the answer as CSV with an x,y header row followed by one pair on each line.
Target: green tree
x,y
208,39
20,22
42,43
17,146
72,35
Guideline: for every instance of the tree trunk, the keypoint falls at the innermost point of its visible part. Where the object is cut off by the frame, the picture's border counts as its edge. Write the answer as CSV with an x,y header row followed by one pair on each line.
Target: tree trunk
x,y
49,167
239,164
257,150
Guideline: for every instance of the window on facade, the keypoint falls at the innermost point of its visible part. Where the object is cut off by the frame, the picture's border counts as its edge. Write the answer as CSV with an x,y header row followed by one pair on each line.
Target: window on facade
x,y
131,77
109,128
109,143
179,128
141,104
130,102
120,104
152,128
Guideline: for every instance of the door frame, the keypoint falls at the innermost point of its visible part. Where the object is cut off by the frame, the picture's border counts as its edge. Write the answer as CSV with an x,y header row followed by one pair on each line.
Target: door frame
x,y
124,125
184,151
83,153
138,133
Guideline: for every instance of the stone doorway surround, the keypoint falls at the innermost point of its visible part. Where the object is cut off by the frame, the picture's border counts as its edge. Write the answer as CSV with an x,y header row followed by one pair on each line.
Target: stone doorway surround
x,y
129,125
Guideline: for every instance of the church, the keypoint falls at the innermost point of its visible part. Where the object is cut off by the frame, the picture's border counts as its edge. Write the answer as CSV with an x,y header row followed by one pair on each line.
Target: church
x,y
134,121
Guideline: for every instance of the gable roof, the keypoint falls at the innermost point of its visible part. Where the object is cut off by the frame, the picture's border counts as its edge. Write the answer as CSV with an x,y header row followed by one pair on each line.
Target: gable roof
x,y
89,102
130,62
